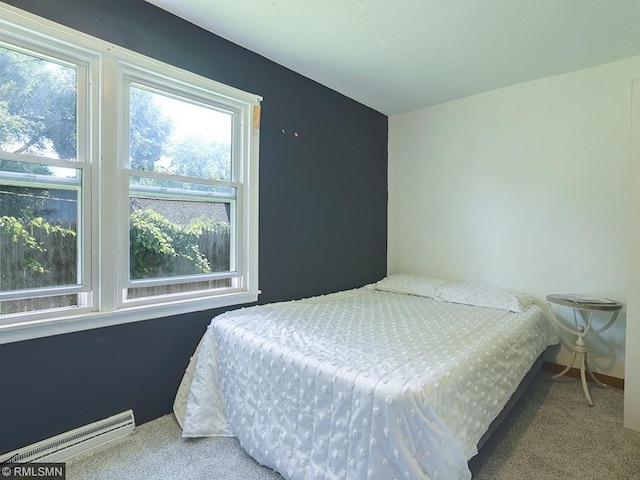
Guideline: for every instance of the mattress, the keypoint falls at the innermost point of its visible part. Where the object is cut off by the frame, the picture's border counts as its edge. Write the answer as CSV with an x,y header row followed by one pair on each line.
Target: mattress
x,y
361,384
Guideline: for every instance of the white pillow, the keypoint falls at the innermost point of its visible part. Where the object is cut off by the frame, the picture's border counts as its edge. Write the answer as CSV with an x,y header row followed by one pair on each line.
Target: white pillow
x,y
410,284
483,296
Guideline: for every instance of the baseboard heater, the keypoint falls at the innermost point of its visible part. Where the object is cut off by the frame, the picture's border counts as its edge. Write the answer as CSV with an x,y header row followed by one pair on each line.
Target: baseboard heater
x,y
66,445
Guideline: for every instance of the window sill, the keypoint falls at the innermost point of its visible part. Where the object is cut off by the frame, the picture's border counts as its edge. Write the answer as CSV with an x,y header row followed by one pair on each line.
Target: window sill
x,y
16,332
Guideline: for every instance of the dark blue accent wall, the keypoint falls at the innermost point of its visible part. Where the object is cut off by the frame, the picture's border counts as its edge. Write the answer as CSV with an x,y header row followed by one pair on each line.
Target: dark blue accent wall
x,y
323,226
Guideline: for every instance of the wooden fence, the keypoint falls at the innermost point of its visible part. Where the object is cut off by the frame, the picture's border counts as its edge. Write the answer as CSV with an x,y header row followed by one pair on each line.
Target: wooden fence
x,y
216,247
60,259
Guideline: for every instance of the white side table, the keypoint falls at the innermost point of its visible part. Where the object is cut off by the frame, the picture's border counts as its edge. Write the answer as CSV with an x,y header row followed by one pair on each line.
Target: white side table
x,y
586,306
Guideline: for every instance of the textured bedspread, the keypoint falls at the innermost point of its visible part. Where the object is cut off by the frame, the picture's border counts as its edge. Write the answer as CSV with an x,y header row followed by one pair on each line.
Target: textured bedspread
x,y
363,384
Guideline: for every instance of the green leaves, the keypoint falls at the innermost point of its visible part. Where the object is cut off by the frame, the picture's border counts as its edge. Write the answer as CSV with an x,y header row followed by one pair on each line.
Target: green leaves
x,y
198,157
149,130
37,105
161,248
24,235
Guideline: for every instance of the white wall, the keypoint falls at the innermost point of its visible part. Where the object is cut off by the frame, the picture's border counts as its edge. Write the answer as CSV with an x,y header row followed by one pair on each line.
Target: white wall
x,y
526,187
632,378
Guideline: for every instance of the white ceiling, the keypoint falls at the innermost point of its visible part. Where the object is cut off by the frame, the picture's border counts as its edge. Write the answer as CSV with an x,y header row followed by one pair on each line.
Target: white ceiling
x,y
399,55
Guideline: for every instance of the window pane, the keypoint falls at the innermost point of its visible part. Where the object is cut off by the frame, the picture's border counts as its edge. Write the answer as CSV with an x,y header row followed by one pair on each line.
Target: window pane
x,y
177,189
178,136
38,303
38,226
37,106
161,290
37,172
178,231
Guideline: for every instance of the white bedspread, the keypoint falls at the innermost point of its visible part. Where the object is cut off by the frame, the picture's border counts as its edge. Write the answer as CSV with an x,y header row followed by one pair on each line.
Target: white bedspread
x,y
363,384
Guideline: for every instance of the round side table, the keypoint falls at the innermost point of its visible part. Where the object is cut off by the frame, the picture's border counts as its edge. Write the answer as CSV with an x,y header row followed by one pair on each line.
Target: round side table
x,y
586,305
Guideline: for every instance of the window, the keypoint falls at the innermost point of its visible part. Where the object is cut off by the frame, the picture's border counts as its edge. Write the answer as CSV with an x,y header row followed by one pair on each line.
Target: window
x,y
128,187
43,191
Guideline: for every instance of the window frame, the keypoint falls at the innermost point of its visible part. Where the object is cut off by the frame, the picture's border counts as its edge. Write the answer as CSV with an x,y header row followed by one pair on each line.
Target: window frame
x,y
174,87
102,153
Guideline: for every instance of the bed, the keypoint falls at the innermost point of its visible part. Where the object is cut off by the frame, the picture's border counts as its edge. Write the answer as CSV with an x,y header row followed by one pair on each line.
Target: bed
x,y
399,379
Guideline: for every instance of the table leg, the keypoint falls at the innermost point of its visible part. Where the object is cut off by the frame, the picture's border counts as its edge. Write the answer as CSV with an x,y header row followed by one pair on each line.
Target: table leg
x,y
581,352
568,367
593,377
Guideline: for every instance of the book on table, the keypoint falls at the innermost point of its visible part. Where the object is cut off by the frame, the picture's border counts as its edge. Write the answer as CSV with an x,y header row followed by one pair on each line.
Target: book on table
x,y
584,299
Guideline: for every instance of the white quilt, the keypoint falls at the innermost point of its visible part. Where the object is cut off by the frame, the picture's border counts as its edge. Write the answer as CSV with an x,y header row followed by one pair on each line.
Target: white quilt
x,y
362,384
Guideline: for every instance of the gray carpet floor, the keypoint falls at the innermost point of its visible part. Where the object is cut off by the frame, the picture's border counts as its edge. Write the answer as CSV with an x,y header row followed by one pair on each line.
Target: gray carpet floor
x,y
553,434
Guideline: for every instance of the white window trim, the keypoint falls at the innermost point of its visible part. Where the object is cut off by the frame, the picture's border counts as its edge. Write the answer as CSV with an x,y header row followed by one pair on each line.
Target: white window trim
x,y
183,85
17,25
